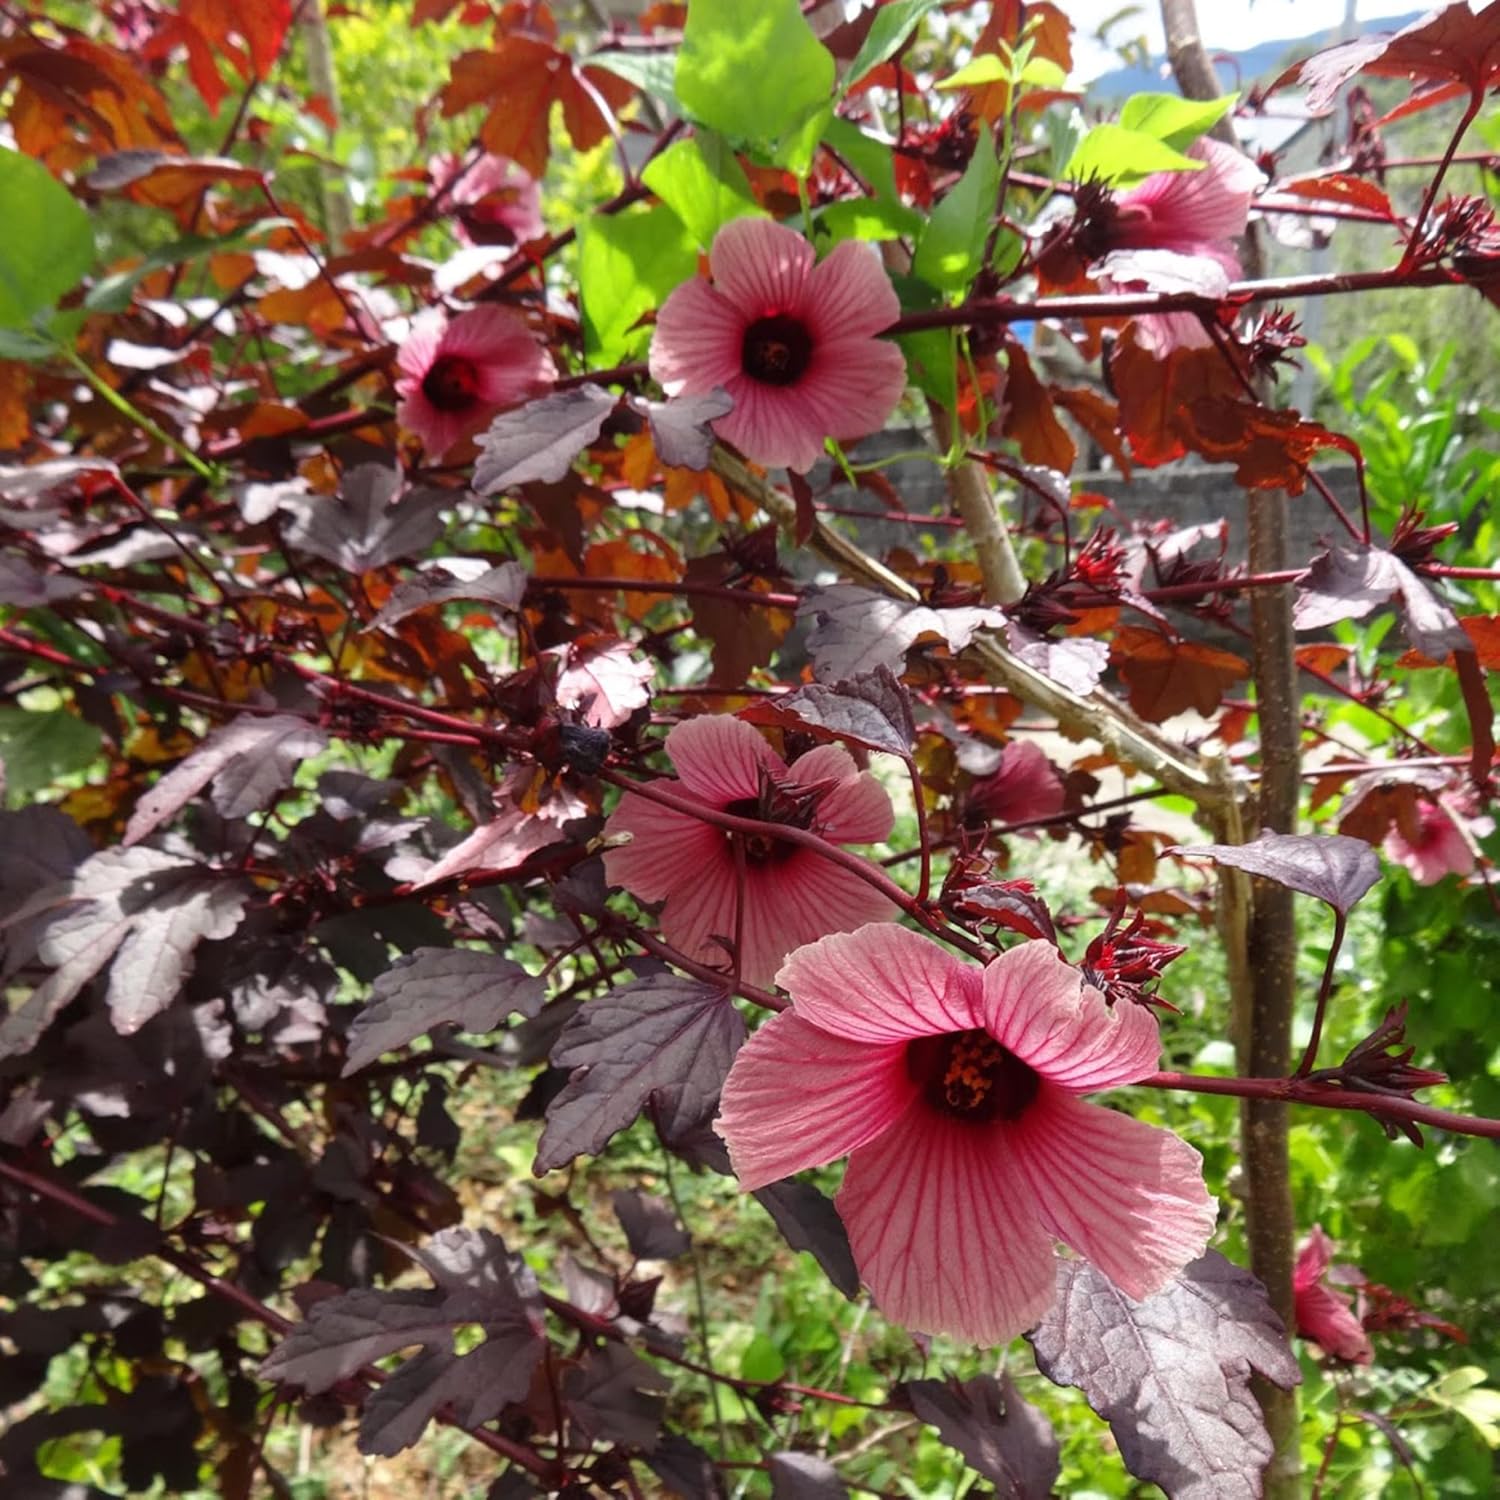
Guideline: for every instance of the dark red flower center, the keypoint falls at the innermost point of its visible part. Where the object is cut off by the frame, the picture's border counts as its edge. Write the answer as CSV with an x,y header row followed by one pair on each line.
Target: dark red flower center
x,y
969,1075
776,350
452,384
760,848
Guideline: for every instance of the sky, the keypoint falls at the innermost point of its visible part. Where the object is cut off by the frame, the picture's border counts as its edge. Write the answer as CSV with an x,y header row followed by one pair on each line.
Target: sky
x,y
1226,25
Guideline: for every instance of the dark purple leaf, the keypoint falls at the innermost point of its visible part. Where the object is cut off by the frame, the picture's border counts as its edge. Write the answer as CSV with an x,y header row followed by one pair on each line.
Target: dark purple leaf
x,y
652,1228
1330,866
685,1469
1015,904
145,910
1001,1435
476,1282
1348,582
28,481
679,428
666,1040
1171,1375
616,1396
857,630
460,987
872,711
40,847
25,587
248,761
808,1221
804,1476
366,525
539,441
1075,662
120,169
501,588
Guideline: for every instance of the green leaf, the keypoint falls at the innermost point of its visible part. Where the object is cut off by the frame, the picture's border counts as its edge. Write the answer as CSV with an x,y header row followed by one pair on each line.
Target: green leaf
x,y
627,263
702,183
931,356
869,219
47,244
762,1360
892,25
752,68
1172,119
39,747
988,67
1464,1391
655,72
18,344
1122,157
952,245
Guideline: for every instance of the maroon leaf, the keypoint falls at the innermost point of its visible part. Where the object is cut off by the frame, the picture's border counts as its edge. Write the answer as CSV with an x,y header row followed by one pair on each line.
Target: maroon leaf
x,y
685,1469
477,1282
366,525
248,761
123,169
1015,904
1171,1375
460,987
1348,582
680,430
504,843
857,630
652,1228
665,1040
1001,1435
501,588
539,441
27,588
1331,866
804,1476
872,711
616,1396
808,1221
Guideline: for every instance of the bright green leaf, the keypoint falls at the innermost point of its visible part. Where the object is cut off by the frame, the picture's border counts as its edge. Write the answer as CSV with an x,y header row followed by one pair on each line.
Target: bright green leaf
x,y
39,747
655,72
627,264
702,183
795,150
952,245
869,219
762,1360
1464,1391
752,68
892,25
47,244
1123,157
988,67
1170,118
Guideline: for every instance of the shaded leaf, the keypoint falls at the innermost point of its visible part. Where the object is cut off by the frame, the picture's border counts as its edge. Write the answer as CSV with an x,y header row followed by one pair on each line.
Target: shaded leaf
x,y
871,710
247,761
366,525
460,987
666,1041
476,1282
680,430
34,481
1001,1435
616,1396
501,587
808,1221
1332,867
539,441
652,1228
857,630
804,1476
1167,677
27,588
685,1469
1171,1375
1348,582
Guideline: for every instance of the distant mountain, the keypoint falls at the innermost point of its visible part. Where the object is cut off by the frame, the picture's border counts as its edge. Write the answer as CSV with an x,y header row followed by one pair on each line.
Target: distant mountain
x,y
1236,69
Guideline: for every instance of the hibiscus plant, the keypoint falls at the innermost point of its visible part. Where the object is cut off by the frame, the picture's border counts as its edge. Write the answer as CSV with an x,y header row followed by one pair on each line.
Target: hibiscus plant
x,y
636,837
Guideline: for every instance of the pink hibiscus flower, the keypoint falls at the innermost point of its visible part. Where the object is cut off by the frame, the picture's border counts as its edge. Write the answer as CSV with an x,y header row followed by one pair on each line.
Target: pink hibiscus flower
x,y
1324,1315
1435,848
496,201
953,1091
1175,232
455,378
792,895
1023,786
791,341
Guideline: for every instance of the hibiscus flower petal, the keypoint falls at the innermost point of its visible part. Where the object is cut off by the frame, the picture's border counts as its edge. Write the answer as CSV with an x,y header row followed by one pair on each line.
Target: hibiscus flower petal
x,y
797,900
439,430
799,1098
940,1234
882,983
697,340
1127,1196
1038,1007
761,266
701,910
668,850
851,387
1325,1317
849,293
856,810
1188,208
719,758
771,426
